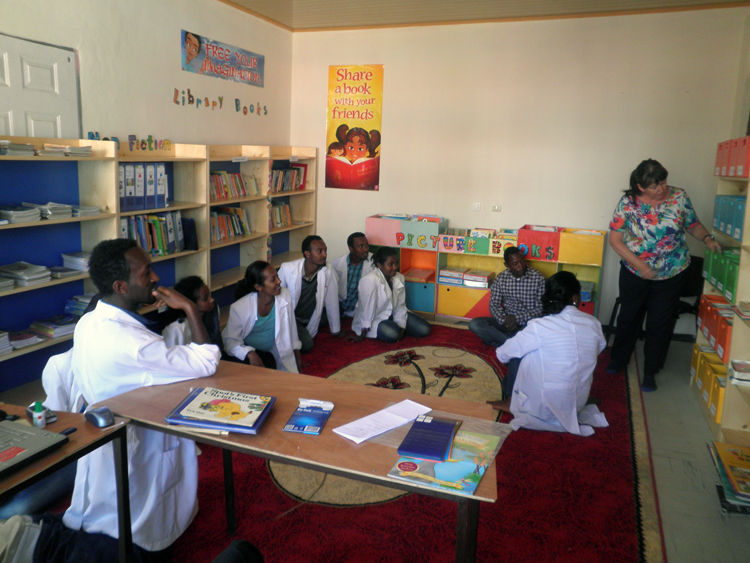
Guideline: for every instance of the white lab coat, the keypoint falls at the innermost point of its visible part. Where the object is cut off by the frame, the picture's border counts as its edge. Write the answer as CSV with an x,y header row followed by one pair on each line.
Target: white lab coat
x,y
243,315
377,302
179,332
114,353
559,355
327,295
341,267
57,379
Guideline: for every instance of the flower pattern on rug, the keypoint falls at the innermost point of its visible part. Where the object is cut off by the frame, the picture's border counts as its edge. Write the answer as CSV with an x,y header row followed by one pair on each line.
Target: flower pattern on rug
x,y
449,372
390,383
406,358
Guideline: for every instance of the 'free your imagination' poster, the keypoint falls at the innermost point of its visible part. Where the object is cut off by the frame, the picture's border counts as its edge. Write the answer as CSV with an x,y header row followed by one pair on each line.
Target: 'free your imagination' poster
x,y
219,60
355,108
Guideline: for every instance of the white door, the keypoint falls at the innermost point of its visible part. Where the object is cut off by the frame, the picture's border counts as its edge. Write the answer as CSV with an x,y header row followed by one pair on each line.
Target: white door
x,y
38,90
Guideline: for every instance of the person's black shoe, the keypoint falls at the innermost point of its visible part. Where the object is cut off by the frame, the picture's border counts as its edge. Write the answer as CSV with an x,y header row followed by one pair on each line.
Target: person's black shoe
x,y
649,383
613,368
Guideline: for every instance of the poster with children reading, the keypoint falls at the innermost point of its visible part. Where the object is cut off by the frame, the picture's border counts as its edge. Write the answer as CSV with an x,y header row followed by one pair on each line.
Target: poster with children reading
x,y
353,139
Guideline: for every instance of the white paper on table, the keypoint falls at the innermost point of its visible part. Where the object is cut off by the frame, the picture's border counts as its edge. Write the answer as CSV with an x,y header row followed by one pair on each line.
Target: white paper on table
x,y
381,421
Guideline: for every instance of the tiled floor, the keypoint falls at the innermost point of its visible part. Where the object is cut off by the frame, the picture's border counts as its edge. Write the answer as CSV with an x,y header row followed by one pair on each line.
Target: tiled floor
x,y
695,530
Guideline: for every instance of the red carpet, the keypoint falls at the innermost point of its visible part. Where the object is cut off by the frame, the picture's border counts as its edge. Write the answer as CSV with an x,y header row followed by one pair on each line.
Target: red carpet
x,y
561,498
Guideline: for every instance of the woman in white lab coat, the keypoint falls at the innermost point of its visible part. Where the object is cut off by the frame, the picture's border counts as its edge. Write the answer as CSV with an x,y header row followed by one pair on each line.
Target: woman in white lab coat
x,y
178,329
381,309
559,353
261,329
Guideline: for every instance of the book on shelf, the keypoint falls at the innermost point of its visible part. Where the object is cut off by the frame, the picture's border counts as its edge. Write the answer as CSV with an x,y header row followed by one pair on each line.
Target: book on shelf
x,y
482,233
301,176
129,203
61,272
453,272
54,327
482,276
24,271
252,185
450,281
85,210
139,200
5,347
16,149
20,214
77,304
471,454
68,150
51,210
22,339
420,275
150,186
222,410
190,234
736,463
179,241
430,437
476,284
77,260
162,187
543,228
309,417
456,232
739,372
7,284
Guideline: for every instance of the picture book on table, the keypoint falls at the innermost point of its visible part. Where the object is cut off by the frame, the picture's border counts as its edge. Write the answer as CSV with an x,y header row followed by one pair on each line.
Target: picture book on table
x,y
222,410
472,453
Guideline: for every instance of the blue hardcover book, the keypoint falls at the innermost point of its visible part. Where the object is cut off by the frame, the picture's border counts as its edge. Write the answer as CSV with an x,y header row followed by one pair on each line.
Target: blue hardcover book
x,y
150,186
139,199
309,417
218,409
429,438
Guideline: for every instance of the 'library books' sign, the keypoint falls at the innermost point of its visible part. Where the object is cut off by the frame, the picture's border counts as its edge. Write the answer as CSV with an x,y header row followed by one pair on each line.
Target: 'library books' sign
x,y
355,108
219,60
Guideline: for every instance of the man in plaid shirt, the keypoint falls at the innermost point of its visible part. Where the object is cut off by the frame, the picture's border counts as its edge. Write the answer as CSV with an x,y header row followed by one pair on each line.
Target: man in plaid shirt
x,y
515,299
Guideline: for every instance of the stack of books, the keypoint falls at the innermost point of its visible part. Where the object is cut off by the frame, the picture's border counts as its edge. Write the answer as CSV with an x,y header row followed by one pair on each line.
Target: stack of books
x,y
419,275
20,214
15,149
733,464
5,347
51,149
22,339
739,372
25,274
77,260
451,275
77,305
54,327
743,310
478,278
85,210
51,210
61,272
7,284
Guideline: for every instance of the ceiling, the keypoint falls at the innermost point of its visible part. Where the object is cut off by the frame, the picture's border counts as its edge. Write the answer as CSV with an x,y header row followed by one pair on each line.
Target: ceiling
x,y
318,15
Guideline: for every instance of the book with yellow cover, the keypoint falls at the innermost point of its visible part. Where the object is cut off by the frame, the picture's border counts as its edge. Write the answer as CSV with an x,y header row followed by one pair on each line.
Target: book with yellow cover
x,y
736,462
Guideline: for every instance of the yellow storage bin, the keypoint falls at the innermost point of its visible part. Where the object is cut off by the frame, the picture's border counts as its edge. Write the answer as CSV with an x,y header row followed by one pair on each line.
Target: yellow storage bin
x,y
716,404
703,377
581,246
697,351
713,371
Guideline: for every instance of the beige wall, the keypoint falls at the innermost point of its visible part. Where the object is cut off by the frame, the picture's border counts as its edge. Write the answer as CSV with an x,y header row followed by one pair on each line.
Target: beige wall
x,y
130,66
546,118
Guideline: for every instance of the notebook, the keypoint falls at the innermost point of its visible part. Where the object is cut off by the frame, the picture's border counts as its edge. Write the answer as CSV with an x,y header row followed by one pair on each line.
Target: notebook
x,y
21,444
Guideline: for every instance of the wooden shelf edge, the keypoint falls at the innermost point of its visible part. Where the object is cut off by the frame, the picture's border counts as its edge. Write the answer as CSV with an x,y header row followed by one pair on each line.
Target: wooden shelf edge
x,y
173,206
175,255
237,240
34,347
48,222
291,193
218,202
81,276
277,230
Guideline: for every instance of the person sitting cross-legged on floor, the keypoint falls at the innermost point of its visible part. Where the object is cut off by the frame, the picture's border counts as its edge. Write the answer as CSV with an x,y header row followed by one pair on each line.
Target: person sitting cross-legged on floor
x,y
558,355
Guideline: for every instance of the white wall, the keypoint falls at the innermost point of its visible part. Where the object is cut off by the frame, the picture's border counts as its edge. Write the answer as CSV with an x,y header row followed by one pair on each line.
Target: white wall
x,y
546,118
130,65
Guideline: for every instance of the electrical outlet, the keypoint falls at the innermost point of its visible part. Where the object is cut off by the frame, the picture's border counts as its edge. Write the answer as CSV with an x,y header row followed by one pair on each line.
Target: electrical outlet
x,y
497,207
476,206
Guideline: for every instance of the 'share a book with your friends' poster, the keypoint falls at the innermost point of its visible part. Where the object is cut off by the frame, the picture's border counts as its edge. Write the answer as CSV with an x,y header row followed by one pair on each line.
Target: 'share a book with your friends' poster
x,y
222,410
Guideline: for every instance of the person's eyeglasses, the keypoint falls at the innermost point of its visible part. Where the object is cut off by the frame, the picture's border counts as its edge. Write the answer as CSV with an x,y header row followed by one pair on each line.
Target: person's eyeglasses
x,y
654,187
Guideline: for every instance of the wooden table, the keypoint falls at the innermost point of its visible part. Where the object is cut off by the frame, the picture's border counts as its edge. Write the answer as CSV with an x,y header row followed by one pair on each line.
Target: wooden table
x,y
328,452
84,440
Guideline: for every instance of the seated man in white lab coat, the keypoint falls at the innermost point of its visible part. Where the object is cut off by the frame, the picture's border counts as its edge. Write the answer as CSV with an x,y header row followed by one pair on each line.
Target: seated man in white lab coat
x,y
114,352
350,268
314,288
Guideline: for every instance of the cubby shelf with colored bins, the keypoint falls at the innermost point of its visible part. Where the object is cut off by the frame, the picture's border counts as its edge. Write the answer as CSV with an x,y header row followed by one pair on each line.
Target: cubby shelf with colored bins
x,y
734,424
89,181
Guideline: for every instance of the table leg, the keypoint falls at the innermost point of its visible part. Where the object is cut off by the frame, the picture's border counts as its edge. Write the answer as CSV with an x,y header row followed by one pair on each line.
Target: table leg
x,y
466,530
120,445
229,492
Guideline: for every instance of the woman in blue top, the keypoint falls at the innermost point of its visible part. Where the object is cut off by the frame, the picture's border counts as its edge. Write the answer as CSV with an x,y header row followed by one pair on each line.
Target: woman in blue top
x,y
261,329
648,232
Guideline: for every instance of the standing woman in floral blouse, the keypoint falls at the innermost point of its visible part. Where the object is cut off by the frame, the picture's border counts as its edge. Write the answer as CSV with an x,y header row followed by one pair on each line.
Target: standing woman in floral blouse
x,y
648,232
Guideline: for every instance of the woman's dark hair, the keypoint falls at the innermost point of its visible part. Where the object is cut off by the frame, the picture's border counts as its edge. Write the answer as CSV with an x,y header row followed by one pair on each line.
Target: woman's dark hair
x,y
559,289
646,173
253,276
108,264
189,287
383,253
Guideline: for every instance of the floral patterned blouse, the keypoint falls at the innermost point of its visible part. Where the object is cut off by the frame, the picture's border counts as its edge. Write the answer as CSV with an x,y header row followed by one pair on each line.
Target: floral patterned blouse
x,y
656,233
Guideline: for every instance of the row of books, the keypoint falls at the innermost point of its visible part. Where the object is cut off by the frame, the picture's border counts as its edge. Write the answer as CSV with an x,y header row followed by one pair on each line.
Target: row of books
x,y
143,186
15,340
225,185
280,215
229,222
24,274
52,149
482,232
288,179
31,212
159,234
451,275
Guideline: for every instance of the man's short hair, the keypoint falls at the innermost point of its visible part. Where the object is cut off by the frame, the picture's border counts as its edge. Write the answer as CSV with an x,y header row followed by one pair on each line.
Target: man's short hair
x,y
308,241
510,251
108,263
351,237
